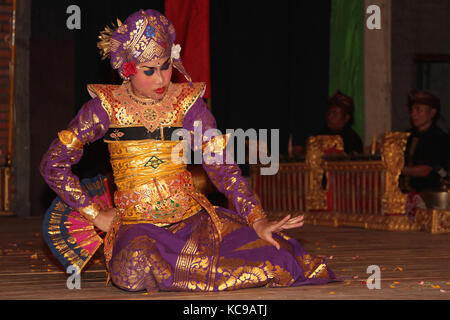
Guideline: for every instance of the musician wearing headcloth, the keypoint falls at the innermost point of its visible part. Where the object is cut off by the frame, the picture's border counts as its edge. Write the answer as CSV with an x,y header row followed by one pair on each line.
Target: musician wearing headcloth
x,y
427,153
339,120
162,233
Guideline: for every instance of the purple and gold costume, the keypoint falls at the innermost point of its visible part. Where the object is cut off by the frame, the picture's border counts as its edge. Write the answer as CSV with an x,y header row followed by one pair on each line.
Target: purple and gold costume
x,y
167,235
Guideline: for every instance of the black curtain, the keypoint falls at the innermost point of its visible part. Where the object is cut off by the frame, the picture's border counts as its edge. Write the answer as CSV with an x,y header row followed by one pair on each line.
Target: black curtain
x,y
270,66
51,89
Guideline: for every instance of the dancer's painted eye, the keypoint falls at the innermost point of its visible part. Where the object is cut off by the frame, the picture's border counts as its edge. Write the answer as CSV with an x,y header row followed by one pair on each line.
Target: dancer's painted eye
x,y
149,72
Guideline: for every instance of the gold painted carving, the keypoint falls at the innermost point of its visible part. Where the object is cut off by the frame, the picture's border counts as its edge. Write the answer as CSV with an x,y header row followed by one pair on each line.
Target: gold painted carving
x,y
433,220
392,153
399,223
316,196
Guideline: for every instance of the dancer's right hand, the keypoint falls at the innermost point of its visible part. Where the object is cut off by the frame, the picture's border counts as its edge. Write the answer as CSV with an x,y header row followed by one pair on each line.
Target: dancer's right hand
x,y
104,219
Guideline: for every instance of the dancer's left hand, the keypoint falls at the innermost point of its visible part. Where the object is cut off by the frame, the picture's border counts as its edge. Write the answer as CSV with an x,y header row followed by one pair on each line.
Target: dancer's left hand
x,y
264,228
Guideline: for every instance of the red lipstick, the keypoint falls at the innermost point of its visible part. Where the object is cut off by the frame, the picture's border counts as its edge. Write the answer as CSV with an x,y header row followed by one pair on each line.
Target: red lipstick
x,y
160,90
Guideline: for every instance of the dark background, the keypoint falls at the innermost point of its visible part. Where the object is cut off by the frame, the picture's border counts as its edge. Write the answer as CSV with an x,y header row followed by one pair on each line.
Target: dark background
x,y
269,70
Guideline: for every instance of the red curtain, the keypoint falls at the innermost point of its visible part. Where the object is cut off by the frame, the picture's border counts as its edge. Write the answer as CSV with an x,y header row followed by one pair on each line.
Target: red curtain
x,y
191,21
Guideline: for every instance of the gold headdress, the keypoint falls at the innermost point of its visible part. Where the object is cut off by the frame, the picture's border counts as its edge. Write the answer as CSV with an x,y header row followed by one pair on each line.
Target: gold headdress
x,y
144,36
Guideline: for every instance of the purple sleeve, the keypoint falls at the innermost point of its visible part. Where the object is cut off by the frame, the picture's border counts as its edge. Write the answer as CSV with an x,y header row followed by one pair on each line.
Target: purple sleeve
x,y
90,124
226,177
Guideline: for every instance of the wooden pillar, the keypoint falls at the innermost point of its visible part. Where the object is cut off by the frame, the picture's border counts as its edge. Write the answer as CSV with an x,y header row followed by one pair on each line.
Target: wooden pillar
x,y
377,73
21,135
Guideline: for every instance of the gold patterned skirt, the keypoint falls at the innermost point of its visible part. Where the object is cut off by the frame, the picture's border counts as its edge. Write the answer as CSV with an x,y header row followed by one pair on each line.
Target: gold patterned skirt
x,y
188,256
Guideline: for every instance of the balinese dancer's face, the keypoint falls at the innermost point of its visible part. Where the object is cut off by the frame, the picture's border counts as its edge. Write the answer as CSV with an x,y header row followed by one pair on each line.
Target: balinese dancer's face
x,y
152,78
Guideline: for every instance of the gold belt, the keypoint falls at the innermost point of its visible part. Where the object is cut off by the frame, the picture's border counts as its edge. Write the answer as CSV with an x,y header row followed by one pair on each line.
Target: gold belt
x,y
164,201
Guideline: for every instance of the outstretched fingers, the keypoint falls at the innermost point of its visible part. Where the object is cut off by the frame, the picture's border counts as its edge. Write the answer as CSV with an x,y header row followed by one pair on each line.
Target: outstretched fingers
x,y
294,223
292,226
283,221
295,220
278,226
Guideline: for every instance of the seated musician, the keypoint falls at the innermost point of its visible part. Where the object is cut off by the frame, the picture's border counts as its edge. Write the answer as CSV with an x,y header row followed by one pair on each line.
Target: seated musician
x,y
339,120
427,153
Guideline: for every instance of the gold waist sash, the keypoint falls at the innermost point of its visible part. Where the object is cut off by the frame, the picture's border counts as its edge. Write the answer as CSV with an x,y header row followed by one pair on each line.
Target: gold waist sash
x,y
161,201
153,189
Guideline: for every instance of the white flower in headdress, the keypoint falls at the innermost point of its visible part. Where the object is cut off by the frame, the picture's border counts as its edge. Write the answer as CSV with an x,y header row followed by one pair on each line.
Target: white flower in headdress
x,y
176,49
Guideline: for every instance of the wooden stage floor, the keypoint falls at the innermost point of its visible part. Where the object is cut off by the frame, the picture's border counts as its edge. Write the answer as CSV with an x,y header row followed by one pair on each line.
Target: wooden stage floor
x,y
414,265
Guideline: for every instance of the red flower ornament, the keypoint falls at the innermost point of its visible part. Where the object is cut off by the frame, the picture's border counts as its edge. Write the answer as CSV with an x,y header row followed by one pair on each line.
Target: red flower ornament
x,y
129,69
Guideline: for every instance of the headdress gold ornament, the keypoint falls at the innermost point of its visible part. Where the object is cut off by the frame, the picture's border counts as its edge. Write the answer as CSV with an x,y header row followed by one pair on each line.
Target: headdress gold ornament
x,y
105,39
